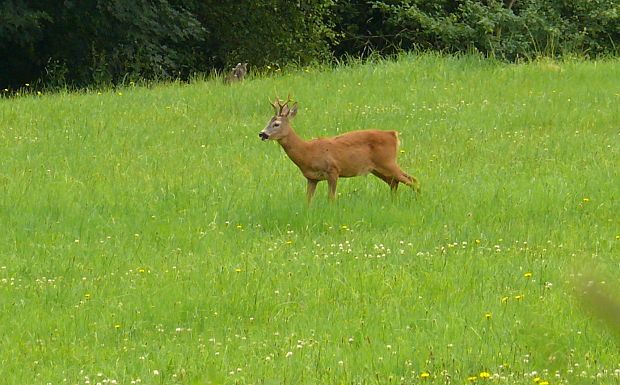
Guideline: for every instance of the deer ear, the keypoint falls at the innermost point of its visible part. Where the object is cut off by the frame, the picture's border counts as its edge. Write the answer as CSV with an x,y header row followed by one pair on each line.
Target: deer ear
x,y
293,111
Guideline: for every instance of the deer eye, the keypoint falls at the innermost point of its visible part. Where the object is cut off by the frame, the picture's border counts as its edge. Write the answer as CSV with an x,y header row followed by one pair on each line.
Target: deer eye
x,y
276,124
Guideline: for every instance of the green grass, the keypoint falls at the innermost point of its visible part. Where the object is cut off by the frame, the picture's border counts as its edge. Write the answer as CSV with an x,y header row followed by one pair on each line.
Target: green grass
x,y
149,236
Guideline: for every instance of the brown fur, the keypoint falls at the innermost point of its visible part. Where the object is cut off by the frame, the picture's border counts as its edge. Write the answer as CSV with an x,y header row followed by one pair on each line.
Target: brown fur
x,y
347,155
238,73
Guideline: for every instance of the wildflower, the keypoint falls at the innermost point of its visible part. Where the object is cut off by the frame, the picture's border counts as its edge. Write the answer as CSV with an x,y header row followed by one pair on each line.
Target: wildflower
x,y
485,374
586,200
402,151
120,94
505,299
39,93
27,84
268,67
478,241
117,326
618,237
518,297
239,226
87,295
425,375
344,227
472,378
288,354
528,275
156,372
488,315
543,383
238,270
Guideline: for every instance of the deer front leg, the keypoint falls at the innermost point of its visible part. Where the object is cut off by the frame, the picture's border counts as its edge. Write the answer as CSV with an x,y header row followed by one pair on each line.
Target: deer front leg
x,y
310,189
332,181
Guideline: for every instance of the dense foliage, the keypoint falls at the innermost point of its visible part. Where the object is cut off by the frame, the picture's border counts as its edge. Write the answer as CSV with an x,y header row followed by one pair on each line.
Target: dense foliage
x,y
102,42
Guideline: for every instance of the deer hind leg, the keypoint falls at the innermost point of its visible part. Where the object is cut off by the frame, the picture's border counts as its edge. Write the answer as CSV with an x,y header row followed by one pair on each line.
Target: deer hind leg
x,y
392,182
410,181
394,175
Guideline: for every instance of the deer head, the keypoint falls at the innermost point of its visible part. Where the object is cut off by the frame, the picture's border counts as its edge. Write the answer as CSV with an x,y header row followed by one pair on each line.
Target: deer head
x,y
279,126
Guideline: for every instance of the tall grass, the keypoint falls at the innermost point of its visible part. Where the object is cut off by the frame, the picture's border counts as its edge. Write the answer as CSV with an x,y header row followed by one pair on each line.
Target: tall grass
x,y
150,237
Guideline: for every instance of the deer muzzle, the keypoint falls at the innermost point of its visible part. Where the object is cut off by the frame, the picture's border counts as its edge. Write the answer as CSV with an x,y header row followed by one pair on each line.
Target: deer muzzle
x,y
263,135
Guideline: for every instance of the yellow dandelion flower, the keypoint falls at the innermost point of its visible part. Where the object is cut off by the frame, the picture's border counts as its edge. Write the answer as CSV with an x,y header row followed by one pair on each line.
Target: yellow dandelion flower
x,y
344,227
120,94
543,383
27,84
536,379
528,275
402,151
268,67
618,237
485,374
39,93
425,375
239,226
478,241
488,315
238,270
586,200
87,296
472,378
518,297
117,326
505,299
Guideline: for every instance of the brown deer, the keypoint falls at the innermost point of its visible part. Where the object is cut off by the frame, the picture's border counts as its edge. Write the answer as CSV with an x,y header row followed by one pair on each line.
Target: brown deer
x,y
347,155
238,73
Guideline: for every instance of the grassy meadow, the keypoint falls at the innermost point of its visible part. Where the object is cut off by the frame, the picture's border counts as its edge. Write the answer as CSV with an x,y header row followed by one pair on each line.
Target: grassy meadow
x,y
149,237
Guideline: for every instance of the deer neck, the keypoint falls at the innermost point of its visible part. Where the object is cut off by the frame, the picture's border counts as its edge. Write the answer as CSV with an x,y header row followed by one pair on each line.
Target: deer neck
x,y
294,146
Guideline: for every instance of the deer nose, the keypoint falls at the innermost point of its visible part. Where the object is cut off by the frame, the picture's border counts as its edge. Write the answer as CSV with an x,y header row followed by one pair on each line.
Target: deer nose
x,y
263,136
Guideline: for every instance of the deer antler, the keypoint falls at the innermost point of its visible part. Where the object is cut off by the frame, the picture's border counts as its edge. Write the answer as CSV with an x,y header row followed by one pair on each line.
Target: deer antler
x,y
288,99
278,106
275,105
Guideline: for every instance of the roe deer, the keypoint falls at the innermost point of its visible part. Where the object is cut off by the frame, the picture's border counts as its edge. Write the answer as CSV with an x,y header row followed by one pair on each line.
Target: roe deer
x,y
347,155
238,73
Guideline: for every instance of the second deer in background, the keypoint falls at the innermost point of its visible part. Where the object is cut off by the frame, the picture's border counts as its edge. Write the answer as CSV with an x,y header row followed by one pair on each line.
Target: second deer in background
x,y
238,73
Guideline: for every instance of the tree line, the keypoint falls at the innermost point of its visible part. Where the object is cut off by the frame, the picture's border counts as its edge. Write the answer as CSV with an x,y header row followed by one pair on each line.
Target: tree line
x,y
83,43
